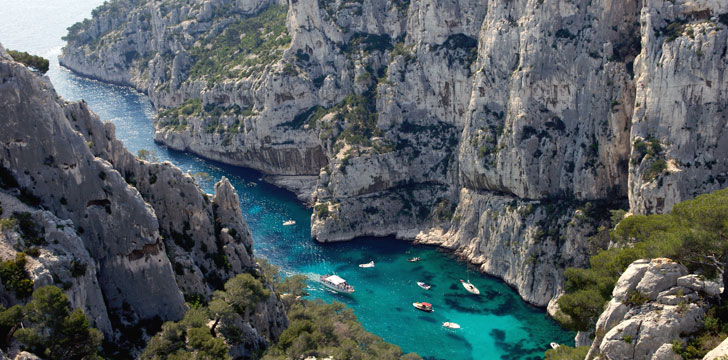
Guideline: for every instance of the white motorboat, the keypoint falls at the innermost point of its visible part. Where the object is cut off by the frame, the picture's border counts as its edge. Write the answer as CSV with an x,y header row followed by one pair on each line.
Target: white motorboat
x,y
289,222
414,259
426,307
470,287
336,283
554,345
451,325
367,265
424,285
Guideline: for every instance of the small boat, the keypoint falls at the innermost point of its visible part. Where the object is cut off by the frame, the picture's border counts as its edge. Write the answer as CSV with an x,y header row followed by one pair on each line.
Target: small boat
x,y
470,287
426,307
451,325
289,222
367,265
554,345
424,285
414,259
252,184
336,283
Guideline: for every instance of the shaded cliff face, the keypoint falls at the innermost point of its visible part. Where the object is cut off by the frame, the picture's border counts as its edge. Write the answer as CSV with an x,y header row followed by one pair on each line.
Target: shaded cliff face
x,y
145,231
420,118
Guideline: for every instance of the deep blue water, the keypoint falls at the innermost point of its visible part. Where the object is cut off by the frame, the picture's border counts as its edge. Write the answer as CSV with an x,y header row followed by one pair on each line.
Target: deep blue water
x,y
497,324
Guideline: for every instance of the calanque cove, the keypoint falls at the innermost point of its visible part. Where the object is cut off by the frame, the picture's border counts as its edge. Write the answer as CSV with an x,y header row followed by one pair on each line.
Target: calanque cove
x,y
554,170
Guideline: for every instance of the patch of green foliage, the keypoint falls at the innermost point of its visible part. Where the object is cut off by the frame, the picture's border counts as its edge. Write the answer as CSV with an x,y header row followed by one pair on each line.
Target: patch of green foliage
x,y
34,62
176,118
322,210
655,169
694,233
564,352
192,337
50,328
358,115
15,278
187,338
246,46
673,30
649,147
329,330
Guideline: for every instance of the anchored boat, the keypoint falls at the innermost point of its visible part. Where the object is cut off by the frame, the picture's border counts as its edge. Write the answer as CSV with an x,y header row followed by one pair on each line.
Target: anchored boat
x,y
367,265
414,259
470,287
426,307
336,283
451,325
289,223
424,285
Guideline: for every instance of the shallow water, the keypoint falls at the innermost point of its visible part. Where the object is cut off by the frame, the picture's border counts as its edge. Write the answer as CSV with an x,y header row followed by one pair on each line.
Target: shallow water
x,y
496,324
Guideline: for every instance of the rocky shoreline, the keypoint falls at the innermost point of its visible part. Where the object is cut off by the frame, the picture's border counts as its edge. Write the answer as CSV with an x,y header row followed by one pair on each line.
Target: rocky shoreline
x,y
496,128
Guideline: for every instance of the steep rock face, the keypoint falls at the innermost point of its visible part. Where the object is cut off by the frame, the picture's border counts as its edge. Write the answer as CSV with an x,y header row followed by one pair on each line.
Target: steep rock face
x,y
146,232
392,116
654,303
206,239
681,84
49,159
552,100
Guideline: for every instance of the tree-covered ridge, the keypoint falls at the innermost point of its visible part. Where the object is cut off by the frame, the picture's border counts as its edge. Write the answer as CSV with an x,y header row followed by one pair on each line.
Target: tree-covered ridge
x,y
694,233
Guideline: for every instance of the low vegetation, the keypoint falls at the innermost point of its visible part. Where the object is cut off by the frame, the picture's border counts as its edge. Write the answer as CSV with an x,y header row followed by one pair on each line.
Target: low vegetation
x,y
15,278
329,330
566,353
246,46
694,233
34,62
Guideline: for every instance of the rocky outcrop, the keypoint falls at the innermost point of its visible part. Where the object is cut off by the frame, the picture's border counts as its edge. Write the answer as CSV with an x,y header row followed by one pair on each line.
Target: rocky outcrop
x,y
144,232
62,260
412,118
653,303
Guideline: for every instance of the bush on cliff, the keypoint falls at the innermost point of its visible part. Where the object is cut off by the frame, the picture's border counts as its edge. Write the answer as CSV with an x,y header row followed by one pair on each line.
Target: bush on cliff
x,y
46,326
694,233
34,62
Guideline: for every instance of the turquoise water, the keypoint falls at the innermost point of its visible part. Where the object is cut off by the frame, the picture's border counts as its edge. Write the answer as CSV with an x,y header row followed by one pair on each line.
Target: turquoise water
x,y
495,325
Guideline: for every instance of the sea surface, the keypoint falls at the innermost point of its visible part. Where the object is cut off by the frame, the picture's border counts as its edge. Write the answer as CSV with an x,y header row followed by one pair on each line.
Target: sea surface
x,y
495,325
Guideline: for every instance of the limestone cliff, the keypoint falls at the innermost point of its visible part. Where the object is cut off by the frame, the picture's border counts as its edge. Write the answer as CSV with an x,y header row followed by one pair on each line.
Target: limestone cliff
x,y
655,302
492,128
144,233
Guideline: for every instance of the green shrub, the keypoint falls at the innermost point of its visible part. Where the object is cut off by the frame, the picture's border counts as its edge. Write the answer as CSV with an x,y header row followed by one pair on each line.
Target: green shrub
x,y
322,210
55,331
15,278
34,62
655,169
8,223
